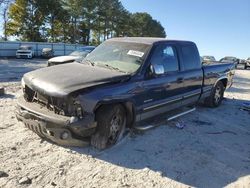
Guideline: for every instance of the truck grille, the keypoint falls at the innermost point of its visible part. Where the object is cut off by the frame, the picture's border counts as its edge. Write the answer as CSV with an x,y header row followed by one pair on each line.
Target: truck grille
x,y
66,107
24,53
39,130
28,94
51,103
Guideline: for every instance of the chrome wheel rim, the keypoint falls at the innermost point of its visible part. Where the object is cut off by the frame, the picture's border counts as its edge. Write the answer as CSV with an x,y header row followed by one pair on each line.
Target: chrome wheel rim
x,y
115,128
217,95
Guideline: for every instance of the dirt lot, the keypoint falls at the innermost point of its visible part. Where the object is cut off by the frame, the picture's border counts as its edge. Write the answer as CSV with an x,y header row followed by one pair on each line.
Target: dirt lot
x,y
213,150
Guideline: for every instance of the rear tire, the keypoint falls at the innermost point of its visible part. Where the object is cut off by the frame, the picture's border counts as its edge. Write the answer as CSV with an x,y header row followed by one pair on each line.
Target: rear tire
x,y
1,91
111,124
216,96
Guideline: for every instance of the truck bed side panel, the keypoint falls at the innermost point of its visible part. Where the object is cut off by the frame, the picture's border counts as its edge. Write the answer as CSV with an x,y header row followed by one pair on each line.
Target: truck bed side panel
x,y
215,72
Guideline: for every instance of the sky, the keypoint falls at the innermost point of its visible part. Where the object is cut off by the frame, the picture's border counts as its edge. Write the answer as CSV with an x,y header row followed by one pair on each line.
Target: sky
x,y
218,27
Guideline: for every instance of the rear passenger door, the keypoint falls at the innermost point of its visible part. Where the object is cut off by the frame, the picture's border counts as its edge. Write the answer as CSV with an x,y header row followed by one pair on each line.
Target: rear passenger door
x,y
163,92
192,73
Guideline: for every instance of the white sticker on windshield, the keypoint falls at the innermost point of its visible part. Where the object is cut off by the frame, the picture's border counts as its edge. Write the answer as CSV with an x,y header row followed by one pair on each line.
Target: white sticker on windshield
x,y
135,53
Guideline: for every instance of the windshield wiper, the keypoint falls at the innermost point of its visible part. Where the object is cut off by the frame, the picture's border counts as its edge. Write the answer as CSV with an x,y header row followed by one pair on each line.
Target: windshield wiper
x,y
89,62
139,61
113,68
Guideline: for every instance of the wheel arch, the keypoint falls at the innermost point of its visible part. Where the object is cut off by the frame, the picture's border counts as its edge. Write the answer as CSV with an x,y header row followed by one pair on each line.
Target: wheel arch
x,y
224,81
129,107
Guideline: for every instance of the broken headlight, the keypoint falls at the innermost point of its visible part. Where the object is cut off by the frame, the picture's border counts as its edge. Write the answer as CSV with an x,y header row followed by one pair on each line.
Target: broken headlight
x,y
22,83
75,108
79,111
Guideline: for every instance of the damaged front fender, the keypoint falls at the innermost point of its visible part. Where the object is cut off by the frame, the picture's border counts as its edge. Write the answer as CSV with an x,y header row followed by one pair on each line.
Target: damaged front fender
x,y
60,129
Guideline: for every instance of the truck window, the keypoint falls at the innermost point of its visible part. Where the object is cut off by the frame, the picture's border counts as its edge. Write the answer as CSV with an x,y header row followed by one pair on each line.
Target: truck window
x,y
165,55
190,58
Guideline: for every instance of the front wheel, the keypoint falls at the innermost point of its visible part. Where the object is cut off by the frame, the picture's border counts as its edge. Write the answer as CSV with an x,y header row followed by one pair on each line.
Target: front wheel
x,y
111,123
216,96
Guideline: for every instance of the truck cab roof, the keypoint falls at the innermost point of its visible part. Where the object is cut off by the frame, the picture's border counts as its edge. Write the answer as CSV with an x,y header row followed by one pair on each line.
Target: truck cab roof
x,y
146,40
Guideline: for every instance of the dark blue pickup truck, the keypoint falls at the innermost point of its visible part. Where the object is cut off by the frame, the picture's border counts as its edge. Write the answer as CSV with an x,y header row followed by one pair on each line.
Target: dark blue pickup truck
x,y
122,83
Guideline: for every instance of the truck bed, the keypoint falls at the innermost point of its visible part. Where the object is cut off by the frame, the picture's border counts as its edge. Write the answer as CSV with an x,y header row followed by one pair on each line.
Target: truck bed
x,y
216,70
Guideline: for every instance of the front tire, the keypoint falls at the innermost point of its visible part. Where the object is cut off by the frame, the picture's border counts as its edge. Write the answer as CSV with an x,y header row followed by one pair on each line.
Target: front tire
x,y
111,124
216,96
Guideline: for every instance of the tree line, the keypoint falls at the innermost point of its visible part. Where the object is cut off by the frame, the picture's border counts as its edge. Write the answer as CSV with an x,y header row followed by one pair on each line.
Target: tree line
x,y
75,21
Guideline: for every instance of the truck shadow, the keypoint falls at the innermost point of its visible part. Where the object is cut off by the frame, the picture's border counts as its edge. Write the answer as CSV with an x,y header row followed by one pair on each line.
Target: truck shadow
x,y
213,150
244,89
7,96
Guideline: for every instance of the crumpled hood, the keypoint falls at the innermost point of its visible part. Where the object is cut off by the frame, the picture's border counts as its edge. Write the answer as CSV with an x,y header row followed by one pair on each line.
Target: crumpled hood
x,y
61,80
62,59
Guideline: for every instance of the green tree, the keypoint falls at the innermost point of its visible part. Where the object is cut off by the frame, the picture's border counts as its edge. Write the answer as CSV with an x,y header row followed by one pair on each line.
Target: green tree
x,y
25,20
4,7
88,17
112,20
74,9
55,20
146,26
77,21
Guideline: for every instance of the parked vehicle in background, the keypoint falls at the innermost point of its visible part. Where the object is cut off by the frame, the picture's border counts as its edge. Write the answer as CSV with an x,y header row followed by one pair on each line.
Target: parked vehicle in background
x,y
247,63
77,55
230,59
25,52
208,59
86,48
47,53
122,83
242,61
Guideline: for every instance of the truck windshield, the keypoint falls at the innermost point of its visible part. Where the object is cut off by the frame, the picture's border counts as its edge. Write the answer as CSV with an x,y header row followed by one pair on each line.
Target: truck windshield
x,y
121,56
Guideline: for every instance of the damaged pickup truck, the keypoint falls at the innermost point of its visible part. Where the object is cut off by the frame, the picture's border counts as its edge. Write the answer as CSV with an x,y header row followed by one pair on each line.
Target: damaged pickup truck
x,y
124,81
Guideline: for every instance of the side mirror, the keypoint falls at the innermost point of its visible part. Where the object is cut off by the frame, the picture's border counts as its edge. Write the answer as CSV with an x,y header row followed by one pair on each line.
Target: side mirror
x,y
157,69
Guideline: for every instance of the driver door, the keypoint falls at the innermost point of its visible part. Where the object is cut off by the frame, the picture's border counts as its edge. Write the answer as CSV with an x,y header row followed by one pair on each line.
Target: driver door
x,y
164,89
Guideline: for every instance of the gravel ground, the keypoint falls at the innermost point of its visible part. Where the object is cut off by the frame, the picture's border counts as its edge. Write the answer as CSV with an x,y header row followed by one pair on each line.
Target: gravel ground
x,y
213,150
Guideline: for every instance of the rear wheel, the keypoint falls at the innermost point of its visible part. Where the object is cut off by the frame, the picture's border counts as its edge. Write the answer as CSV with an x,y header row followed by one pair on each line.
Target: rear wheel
x,y
111,123
216,96
1,91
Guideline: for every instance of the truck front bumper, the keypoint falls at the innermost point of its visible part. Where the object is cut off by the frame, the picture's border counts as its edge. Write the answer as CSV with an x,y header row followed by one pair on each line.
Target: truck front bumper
x,y
24,55
60,129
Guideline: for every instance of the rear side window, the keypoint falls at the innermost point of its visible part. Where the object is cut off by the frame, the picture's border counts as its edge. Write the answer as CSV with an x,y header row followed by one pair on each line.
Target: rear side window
x,y
165,55
191,60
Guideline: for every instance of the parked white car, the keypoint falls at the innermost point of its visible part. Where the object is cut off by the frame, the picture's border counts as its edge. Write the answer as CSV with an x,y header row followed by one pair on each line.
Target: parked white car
x,y
77,55
247,63
25,52
208,59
